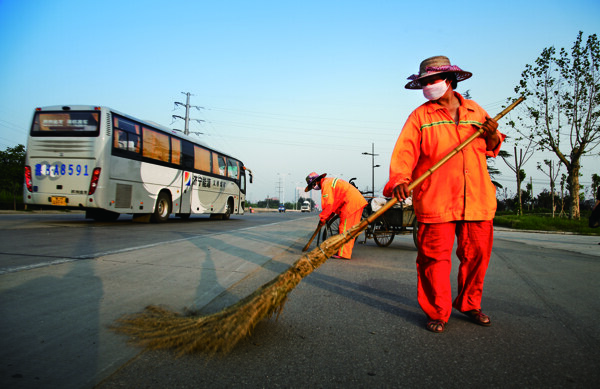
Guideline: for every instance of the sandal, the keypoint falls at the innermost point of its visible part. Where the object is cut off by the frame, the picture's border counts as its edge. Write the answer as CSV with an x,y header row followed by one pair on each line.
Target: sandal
x,y
478,317
436,326
338,257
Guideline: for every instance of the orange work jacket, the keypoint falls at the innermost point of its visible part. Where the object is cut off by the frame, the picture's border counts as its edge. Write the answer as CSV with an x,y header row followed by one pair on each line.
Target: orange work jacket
x,y
461,189
339,197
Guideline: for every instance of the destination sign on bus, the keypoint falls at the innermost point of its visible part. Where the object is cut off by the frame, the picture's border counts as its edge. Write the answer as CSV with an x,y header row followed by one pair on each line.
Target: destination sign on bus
x,y
65,122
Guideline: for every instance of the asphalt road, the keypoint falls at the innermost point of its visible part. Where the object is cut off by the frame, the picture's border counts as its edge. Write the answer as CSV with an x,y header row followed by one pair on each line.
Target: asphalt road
x,y
348,324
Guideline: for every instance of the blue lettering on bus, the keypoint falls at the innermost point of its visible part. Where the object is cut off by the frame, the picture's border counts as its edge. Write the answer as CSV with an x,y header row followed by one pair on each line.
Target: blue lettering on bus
x,y
60,170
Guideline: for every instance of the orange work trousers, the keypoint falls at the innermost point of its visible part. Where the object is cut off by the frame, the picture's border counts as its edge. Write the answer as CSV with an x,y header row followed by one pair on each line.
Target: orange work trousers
x,y
348,221
474,249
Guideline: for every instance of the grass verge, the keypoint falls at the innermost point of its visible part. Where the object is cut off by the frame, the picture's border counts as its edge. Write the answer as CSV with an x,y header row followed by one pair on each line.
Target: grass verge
x,y
546,223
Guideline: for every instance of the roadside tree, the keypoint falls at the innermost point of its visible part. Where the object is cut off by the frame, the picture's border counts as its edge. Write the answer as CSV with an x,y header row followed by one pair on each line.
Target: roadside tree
x,y
520,160
562,107
553,175
12,165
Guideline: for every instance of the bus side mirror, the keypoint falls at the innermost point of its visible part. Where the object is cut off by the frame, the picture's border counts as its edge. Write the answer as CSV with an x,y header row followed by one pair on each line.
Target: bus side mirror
x,y
249,173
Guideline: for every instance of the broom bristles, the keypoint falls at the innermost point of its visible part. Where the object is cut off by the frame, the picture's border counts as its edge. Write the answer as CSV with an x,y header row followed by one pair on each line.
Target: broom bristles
x,y
160,328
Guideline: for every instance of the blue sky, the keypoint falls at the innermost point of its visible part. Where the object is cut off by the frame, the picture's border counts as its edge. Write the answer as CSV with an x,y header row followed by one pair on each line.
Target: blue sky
x,y
287,87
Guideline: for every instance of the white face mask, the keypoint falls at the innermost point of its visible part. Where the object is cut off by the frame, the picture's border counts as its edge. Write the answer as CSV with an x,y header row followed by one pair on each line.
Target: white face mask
x,y
436,90
317,187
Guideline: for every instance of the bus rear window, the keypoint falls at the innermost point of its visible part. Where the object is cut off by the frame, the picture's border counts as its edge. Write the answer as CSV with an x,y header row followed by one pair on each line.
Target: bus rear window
x,y
65,124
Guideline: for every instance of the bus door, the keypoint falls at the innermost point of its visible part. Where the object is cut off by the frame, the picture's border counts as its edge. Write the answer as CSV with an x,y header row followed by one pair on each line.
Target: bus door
x,y
185,205
187,178
233,171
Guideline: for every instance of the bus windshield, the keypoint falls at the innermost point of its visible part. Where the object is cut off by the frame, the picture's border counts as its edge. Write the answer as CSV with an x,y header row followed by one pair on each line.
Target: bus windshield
x,y
65,124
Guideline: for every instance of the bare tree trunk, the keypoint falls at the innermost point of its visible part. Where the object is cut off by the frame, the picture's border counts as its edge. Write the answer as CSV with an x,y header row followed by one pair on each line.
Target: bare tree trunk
x,y
520,209
551,166
518,171
553,206
574,188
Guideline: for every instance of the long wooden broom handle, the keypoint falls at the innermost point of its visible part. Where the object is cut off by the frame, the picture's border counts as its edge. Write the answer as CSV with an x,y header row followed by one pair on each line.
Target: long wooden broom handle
x,y
312,237
451,154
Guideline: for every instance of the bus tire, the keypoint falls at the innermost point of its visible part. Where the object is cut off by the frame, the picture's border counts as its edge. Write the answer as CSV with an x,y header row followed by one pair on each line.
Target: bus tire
x,y
162,210
228,209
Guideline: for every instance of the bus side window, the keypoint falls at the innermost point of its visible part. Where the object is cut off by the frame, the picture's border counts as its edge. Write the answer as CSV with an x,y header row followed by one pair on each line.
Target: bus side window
x,y
232,169
201,159
215,163
187,155
222,165
243,183
175,151
120,139
126,135
133,143
156,145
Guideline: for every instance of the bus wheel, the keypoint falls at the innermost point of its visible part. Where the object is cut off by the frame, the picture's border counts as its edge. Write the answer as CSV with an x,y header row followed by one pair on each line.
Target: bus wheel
x,y
162,209
228,210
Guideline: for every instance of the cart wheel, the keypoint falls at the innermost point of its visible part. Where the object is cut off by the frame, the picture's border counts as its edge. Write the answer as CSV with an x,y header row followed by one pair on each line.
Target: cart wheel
x,y
331,228
415,228
367,233
382,235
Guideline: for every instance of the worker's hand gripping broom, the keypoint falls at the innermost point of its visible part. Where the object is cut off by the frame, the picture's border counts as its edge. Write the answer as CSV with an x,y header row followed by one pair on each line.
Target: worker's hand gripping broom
x,y
158,328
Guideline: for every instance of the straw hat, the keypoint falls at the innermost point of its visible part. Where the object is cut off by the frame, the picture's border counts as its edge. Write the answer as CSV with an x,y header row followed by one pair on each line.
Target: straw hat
x,y
312,179
436,65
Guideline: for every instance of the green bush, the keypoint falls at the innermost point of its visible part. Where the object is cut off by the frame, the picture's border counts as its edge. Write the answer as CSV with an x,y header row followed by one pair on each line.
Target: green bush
x,y
8,202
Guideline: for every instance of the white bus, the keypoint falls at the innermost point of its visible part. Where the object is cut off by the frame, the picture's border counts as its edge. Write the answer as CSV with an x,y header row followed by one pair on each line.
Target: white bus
x,y
107,163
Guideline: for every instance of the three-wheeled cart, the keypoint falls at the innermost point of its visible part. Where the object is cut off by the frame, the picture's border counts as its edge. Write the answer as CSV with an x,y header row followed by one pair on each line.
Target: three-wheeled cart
x,y
400,219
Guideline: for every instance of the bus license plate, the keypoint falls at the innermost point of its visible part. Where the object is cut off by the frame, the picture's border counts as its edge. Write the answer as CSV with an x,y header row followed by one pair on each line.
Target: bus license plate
x,y
58,200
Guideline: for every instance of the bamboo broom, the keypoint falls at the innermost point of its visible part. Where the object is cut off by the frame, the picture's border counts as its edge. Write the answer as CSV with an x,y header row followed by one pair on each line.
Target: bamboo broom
x,y
159,328
313,237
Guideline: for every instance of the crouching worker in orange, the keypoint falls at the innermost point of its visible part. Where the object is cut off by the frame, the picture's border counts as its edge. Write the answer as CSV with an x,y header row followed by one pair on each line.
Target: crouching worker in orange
x,y
457,201
341,198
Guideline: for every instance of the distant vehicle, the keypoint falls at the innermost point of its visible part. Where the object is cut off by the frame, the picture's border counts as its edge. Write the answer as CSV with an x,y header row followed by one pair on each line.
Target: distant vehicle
x,y
305,207
108,163
282,208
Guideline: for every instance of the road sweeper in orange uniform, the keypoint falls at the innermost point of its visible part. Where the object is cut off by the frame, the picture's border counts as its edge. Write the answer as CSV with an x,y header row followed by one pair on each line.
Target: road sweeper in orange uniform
x,y
341,198
458,200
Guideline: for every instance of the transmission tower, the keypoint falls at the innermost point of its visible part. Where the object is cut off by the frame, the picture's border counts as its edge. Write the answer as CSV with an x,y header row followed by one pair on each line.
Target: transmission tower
x,y
280,189
187,113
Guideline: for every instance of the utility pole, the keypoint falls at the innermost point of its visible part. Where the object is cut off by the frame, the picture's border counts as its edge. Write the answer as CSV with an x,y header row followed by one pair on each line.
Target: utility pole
x,y
279,189
281,186
373,166
187,112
